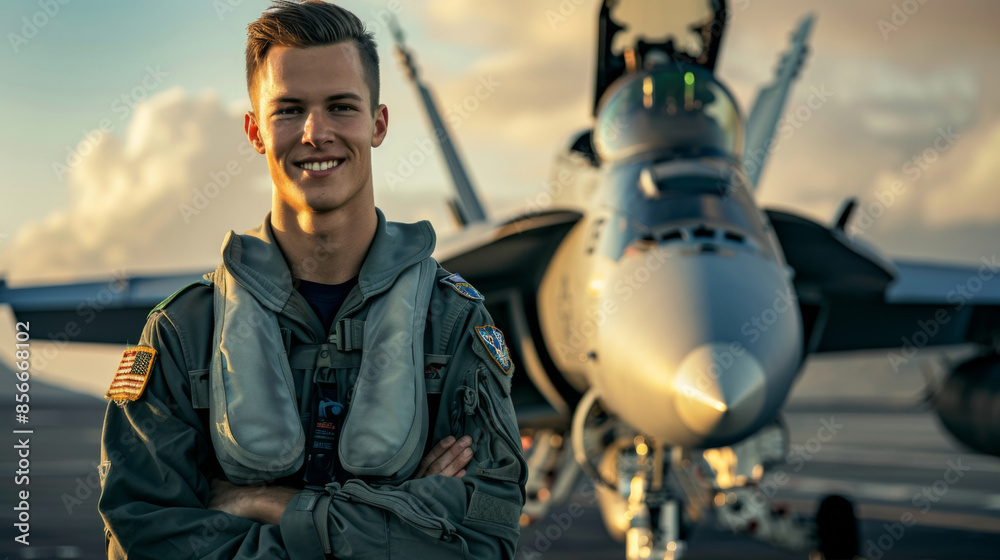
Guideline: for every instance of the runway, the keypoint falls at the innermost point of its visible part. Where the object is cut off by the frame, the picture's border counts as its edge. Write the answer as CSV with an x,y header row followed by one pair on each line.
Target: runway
x,y
893,463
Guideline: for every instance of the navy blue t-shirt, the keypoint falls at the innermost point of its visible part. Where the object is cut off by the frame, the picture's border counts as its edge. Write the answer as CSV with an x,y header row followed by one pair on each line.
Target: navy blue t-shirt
x,y
325,299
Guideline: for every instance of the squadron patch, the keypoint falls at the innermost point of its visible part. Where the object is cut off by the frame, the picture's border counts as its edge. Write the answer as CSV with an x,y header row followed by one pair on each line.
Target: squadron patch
x,y
459,284
493,341
132,375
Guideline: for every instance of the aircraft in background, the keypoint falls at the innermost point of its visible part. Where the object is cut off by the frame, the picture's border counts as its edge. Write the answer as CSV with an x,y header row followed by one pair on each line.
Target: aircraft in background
x,y
657,316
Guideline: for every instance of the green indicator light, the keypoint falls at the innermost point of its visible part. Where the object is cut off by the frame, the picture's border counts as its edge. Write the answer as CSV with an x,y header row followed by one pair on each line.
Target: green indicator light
x,y
689,78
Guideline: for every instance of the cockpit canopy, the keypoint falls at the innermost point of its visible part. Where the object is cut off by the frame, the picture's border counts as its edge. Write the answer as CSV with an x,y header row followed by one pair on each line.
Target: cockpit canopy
x,y
673,108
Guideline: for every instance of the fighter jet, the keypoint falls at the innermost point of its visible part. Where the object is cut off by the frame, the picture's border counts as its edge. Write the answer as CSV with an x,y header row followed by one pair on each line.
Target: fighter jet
x,y
656,315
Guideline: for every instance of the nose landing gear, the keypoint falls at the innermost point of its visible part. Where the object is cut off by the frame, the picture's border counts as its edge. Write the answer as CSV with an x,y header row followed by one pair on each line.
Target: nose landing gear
x,y
629,472
651,514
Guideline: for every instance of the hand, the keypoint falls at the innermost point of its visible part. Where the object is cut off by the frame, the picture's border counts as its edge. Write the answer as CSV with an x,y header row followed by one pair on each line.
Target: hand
x,y
263,504
447,458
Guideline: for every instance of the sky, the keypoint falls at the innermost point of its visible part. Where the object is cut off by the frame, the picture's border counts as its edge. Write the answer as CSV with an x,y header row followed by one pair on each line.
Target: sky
x,y
123,149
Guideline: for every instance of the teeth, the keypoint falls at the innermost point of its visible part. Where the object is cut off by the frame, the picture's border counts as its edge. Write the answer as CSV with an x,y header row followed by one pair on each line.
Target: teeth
x,y
320,165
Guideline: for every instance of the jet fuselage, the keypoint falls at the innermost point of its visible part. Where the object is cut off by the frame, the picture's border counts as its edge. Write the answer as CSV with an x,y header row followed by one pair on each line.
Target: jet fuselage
x,y
671,297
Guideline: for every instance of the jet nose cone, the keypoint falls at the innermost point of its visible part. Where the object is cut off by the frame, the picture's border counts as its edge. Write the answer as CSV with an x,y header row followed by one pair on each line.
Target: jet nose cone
x,y
719,399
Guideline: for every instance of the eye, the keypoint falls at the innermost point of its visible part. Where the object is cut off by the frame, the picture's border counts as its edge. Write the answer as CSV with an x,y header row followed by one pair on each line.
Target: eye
x,y
288,111
341,108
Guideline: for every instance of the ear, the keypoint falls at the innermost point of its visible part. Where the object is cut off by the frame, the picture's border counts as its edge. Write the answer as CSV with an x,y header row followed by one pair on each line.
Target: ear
x,y
253,132
381,125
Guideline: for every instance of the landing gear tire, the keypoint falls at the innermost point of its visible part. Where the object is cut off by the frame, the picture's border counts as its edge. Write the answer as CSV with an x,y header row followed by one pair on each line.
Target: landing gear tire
x,y
837,529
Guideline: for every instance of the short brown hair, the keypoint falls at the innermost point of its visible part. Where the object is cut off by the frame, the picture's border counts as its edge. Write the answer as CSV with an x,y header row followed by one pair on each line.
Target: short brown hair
x,y
311,23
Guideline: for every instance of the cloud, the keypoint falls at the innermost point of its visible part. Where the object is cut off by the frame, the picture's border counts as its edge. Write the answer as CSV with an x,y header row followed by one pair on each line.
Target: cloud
x,y
542,53
891,101
128,196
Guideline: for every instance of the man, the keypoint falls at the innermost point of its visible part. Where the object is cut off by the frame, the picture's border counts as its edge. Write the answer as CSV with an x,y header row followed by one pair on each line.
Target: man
x,y
286,406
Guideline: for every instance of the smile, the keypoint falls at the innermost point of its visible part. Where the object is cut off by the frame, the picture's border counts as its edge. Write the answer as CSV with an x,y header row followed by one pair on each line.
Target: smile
x,y
320,165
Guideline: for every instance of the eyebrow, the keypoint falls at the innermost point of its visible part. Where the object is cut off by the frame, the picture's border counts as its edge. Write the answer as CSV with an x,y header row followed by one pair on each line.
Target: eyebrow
x,y
334,97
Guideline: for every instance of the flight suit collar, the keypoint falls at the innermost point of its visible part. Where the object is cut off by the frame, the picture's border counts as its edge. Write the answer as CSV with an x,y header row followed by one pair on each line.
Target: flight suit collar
x,y
256,261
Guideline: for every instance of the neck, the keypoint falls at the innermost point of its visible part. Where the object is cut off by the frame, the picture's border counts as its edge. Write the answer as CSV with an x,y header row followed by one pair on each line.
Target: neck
x,y
329,247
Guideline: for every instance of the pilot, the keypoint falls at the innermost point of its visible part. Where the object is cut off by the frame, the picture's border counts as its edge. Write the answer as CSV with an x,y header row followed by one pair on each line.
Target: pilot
x,y
329,390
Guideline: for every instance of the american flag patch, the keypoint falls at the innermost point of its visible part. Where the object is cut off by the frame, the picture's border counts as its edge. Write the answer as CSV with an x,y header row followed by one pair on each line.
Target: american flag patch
x,y
133,372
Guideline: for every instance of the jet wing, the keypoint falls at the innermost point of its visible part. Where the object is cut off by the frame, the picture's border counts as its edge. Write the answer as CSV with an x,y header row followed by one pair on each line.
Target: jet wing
x,y
513,253
853,299
112,311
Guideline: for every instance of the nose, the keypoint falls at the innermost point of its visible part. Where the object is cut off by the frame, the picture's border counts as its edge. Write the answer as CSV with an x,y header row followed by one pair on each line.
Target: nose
x,y
718,400
702,351
317,130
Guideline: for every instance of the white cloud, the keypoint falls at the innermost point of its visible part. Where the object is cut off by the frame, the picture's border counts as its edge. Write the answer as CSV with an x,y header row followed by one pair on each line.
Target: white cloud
x,y
126,196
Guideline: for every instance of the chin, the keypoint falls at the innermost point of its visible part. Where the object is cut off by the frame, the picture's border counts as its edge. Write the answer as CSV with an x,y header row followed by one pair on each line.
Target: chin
x,y
318,198
326,205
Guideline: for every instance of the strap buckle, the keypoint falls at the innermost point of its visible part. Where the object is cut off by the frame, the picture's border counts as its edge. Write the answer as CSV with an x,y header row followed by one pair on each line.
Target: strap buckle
x,y
348,335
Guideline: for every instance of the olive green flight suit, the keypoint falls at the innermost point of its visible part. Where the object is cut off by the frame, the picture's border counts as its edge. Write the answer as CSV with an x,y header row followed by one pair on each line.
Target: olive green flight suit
x,y
157,458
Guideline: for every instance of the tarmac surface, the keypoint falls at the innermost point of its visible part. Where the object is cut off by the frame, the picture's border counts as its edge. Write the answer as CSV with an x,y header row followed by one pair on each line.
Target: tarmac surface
x,y
890,462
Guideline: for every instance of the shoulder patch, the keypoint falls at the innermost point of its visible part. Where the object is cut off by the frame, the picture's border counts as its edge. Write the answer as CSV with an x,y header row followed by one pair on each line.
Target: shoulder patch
x,y
493,340
459,284
132,375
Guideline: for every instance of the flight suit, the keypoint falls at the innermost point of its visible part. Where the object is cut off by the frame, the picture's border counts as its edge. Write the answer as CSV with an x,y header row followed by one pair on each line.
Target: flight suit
x,y
157,458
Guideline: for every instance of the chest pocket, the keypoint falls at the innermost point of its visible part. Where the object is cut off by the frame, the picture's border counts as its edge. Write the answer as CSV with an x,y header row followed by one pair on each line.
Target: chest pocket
x,y
434,364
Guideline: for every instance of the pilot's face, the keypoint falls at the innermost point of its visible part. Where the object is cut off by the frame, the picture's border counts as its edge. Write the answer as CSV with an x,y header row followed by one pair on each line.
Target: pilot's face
x,y
314,124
